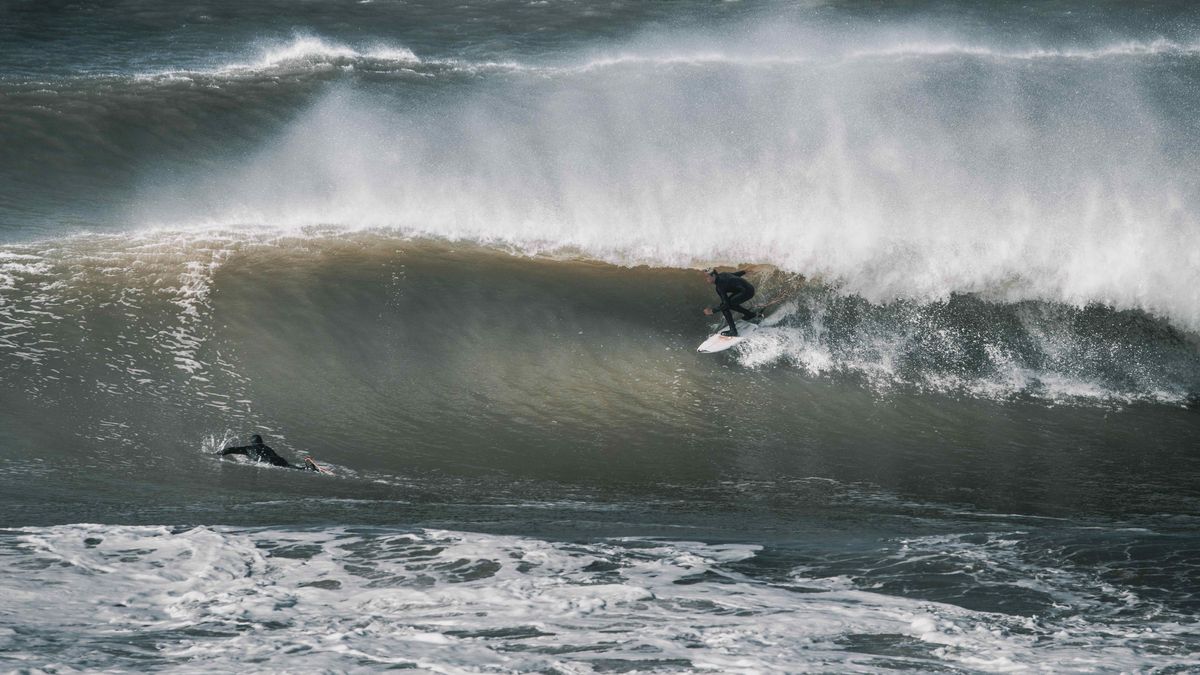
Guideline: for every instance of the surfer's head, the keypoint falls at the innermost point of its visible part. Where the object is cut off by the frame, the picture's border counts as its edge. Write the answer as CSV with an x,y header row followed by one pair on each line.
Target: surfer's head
x,y
256,439
711,273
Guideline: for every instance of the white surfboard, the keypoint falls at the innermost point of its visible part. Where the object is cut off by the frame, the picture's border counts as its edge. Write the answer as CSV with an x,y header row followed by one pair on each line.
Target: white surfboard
x,y
719,343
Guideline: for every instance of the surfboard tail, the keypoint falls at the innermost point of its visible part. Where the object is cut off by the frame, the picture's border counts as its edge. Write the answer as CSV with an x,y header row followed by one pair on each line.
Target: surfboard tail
x,y
311,465
719,342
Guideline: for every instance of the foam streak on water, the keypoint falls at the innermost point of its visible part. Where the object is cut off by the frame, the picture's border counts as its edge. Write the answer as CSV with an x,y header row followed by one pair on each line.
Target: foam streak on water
x,y
344,598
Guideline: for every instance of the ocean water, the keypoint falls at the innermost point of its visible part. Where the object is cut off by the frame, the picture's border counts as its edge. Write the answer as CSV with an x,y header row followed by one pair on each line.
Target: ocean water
x,y
451,251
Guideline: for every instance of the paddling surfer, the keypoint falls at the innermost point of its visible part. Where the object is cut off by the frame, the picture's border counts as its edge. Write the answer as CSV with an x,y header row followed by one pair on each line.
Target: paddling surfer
x,y
261,452
733,290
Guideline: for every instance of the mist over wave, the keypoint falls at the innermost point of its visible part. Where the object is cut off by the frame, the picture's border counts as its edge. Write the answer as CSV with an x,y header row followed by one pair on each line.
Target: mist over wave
x,y
910,173
906,159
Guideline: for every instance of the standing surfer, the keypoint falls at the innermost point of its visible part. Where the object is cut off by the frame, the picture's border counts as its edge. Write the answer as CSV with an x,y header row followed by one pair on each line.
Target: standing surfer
x,y
733,291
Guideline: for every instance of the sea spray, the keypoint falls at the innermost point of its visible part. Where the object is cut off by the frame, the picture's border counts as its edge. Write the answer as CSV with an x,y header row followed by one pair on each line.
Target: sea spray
x,y
911,173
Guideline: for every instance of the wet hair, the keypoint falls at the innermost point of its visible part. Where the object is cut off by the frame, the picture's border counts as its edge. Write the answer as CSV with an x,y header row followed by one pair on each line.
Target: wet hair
x,y
712,271
256,439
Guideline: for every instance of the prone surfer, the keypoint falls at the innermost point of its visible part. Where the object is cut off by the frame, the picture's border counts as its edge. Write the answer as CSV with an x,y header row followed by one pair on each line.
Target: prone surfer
x,y
261,452
733,291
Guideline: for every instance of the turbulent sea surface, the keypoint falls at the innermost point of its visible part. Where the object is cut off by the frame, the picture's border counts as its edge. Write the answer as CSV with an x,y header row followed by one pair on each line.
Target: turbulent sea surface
x,y
451,251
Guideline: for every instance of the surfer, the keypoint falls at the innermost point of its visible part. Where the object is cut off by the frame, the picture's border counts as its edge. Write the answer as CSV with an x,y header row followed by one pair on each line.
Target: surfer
x,y
733,291
261,452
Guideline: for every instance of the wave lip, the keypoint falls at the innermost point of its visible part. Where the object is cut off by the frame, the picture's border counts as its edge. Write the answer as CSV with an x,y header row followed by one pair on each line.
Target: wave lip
x,y
306,53
313,54
309,50
303,54
755,58
1155,47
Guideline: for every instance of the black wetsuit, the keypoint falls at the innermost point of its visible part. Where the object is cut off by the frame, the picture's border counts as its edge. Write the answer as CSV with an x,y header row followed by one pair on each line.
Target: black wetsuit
x,y
733,291
261,452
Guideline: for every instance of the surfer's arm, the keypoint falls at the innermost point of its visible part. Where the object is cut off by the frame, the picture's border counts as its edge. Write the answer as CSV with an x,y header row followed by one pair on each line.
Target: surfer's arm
x,y
721,307
710,310
240,450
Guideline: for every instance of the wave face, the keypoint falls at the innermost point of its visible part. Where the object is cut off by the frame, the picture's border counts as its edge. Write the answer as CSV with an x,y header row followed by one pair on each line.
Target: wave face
x,y
417,364
180,317
396,355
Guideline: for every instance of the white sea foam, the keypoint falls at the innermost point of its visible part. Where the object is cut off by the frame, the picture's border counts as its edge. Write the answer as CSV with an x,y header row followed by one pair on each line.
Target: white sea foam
x,y
1049,359
341,599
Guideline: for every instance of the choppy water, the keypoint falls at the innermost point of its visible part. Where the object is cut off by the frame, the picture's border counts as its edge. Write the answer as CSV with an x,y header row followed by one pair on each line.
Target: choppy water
x,y
451,252
372,598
